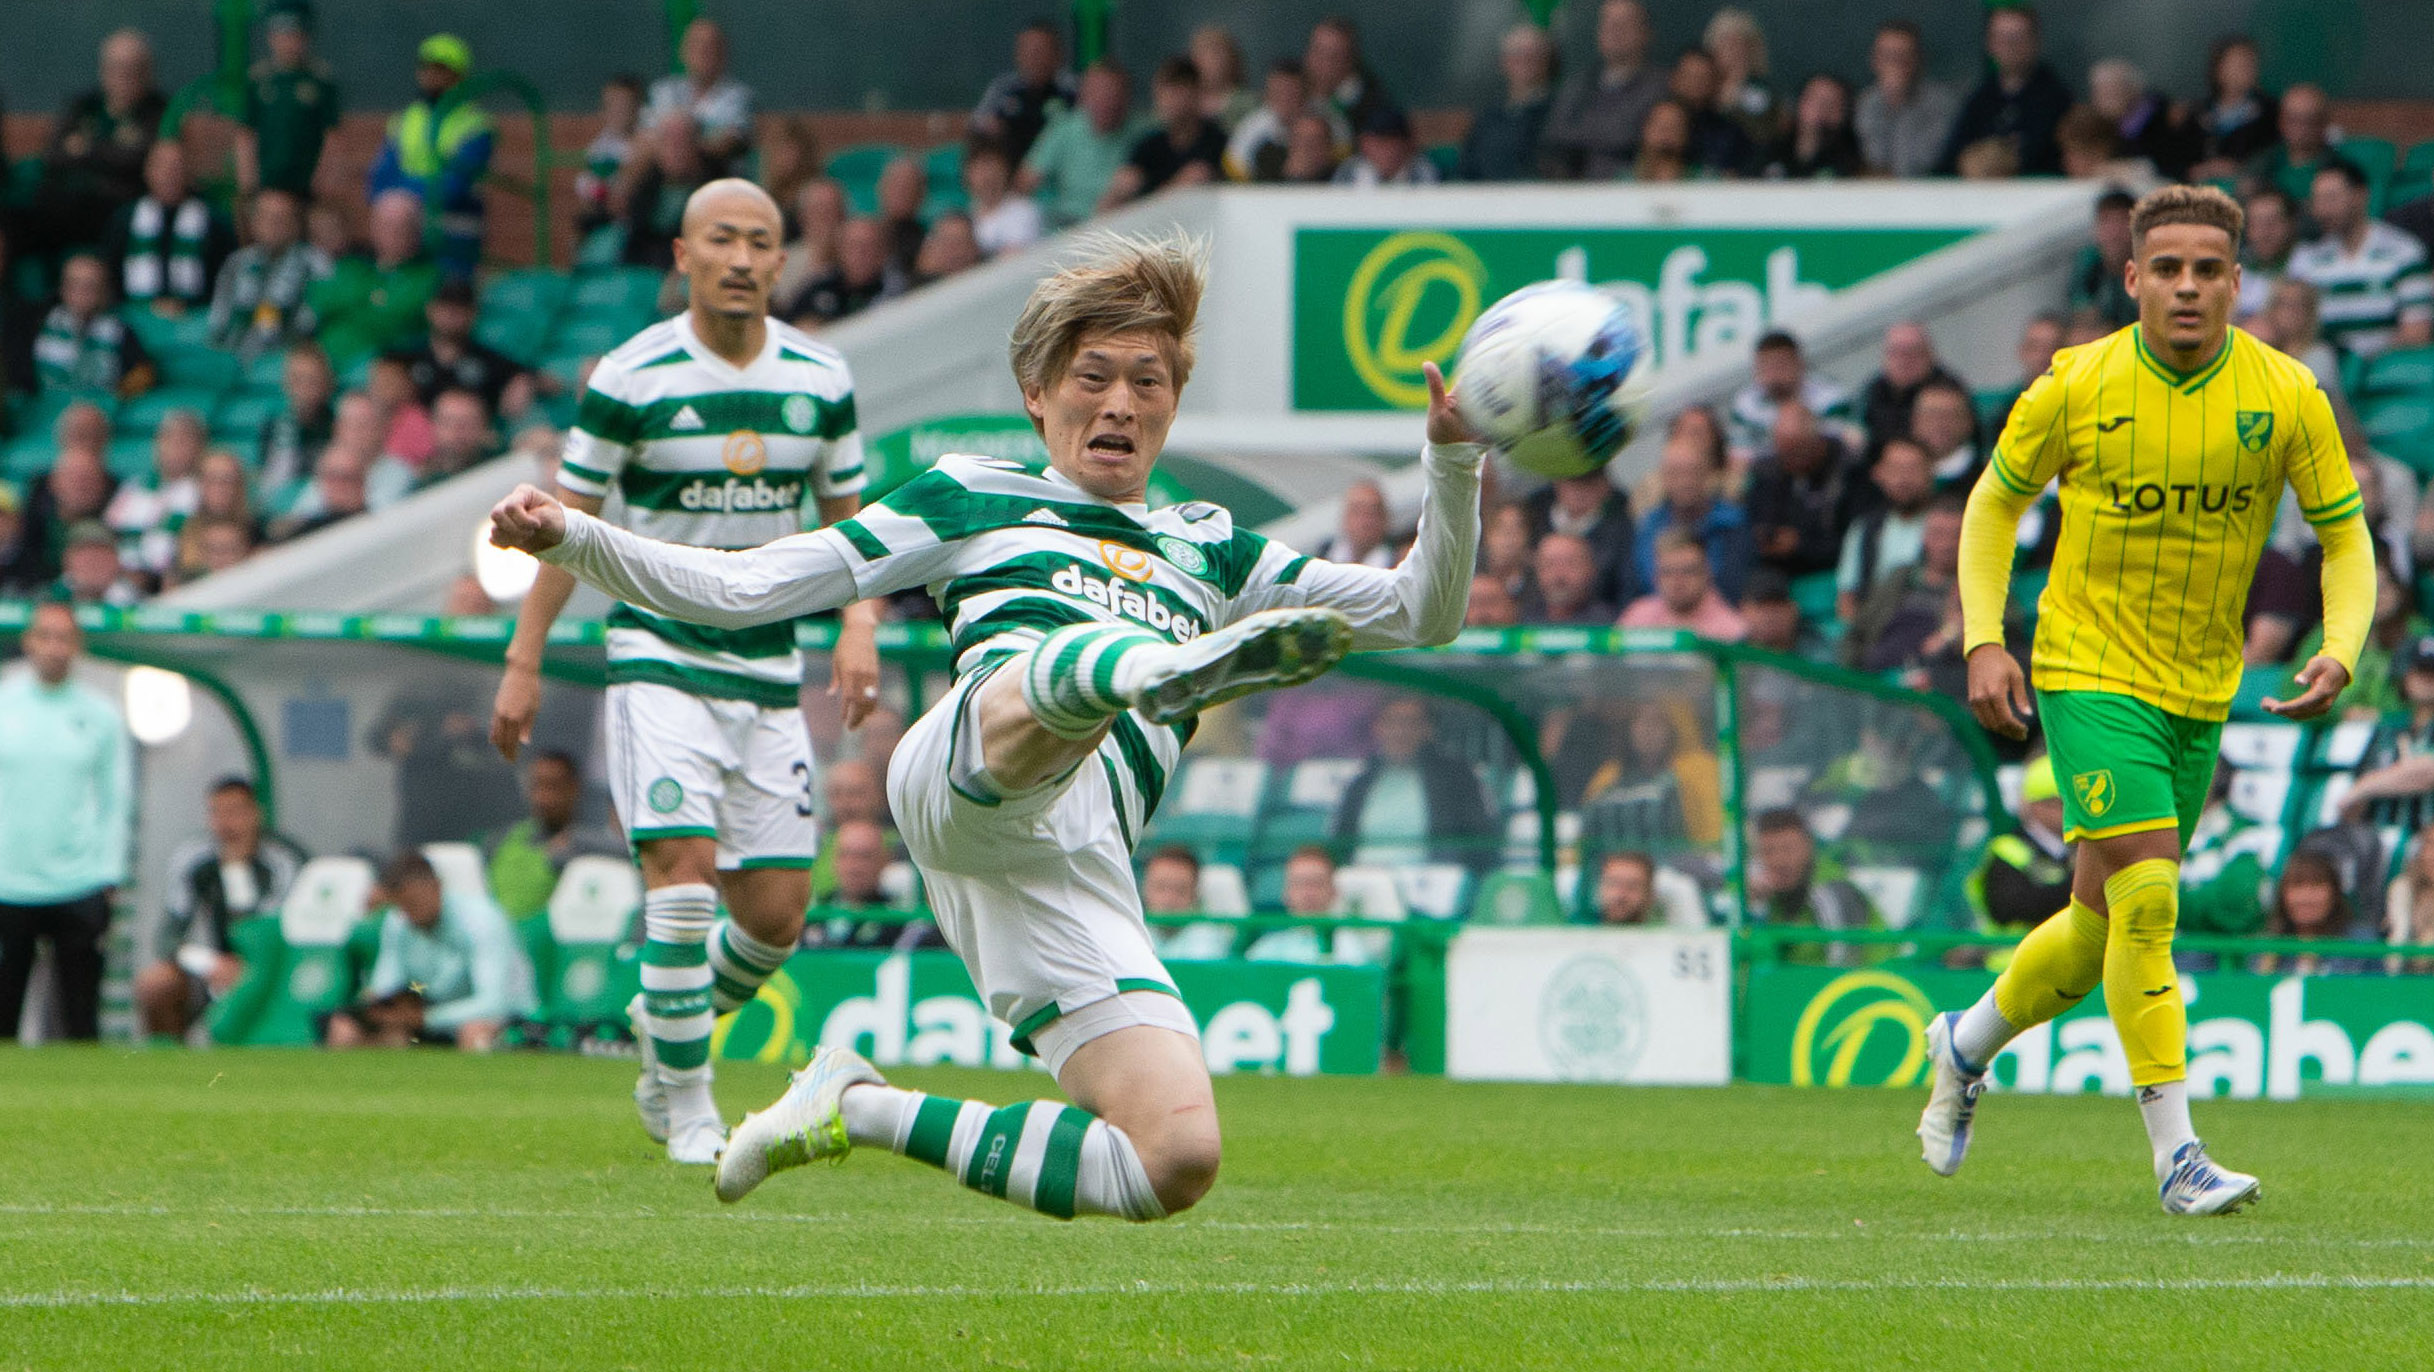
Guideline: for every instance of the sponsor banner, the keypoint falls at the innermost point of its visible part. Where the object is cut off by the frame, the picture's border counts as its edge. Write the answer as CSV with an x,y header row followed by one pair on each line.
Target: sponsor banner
x,y
1620,1005
919,1009
1371,305
2249,1036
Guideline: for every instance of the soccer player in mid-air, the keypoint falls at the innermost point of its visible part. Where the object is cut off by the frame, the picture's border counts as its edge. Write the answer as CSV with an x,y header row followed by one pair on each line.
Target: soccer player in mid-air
x,y
716,428
2172,440
1089,631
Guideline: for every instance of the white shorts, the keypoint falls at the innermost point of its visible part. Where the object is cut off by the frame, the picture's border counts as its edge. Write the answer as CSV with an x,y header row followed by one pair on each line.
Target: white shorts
x,y
1035,892
682,765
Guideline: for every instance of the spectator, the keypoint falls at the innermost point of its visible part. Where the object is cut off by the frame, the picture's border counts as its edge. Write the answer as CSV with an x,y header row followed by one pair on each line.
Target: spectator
x,y
1909,364
2092,150
1779,376
2026,874
2293,322
1820,145
1414,801
1502,144
340,490
2239,119
1185,149
1362,535
2408,907
449,969
1310,158
292,103
1019,104
1690,477
440,156
1590,507
84,348
2305,121
862,856
1491,606
1075,159
2396,778
2147,123
2374,289
1903,120
1594,131
77,489
90,572
1945,422
719,106
1802,496
66,827
237,873
2097,277
2374,689
147,514
1170,885
372,304
2267,237
1256,149
861,278
1338,75
1224,100
1626,890
1685,597
223,498
903,185
405,421
451,358
1385,154
1906,608
1002,222
2309,903
606,157
1654,784
527,857
2040,339
461,438
1718,145
674,168
170,242
1791,887
852,789
948,248
820,211
302,425
1775,620
327,227
1310,893
1886,538
1738,46
15,576
259,301
1563,584
2017,104
217,544
94,165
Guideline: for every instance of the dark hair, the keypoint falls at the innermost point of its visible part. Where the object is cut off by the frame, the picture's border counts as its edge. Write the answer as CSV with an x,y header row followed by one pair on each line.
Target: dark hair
x,y
1637,858
2216,51
406,865
1177,70
1043,24
561,757
1905,28
626,81
1287,66
1776,340
233,782
1313,850
2288,202
1174,852
981,145
1783,819
2337,165
2116,200
1943,383
1342,23
2309,865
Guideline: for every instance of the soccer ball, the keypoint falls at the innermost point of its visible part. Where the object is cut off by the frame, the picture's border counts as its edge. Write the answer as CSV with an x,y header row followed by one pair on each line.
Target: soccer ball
x,y
1556,376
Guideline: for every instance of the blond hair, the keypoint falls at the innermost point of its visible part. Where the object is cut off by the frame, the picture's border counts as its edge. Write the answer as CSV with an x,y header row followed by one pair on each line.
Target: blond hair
x,y
1121,284
2202,205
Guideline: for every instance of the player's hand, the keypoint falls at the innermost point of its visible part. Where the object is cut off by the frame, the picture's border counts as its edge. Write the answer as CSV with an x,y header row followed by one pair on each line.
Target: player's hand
x,y
1445,423
1998,691
855,664
528,520
513,708
225,971
2323,680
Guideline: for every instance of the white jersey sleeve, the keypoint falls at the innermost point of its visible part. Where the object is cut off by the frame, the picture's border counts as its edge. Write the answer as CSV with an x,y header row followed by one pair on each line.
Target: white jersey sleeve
x,y
1422,599
604,434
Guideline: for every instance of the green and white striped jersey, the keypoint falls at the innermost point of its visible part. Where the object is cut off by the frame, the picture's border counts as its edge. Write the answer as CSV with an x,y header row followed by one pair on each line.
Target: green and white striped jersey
x,y
1009,554
712,456
2365,296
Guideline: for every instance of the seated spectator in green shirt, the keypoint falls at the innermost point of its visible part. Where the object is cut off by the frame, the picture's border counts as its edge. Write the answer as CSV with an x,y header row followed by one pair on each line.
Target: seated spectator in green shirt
x,y
375,304
448,971
1076,157
527,857
84,348
1789,884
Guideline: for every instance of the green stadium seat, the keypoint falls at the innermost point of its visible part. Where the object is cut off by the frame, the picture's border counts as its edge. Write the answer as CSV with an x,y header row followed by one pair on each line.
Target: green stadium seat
x,y
305,963
1447,156
622,291
943,168
1301,805
1212,805
1990,406
525,291
198,365
2401,371
857,168
32,415
1517,898
264,371
2401,427
26,457
519,334
602,247
137,418
589,913
581,338
2375,156
129,455
243,413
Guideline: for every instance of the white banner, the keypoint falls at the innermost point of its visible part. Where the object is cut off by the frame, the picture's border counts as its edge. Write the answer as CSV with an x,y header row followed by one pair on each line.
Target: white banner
x,y
1643,1006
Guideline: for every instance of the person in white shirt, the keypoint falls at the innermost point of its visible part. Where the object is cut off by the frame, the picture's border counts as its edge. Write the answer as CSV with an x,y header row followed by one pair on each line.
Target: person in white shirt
x,y
720,105
1002,221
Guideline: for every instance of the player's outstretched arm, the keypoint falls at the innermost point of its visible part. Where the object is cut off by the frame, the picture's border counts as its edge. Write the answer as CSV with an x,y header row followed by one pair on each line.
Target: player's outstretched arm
x,y
2349,610
1998,692
800,574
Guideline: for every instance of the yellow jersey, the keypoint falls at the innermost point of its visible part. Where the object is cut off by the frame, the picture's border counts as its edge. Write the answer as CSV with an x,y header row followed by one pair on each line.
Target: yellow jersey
x,y
2169,486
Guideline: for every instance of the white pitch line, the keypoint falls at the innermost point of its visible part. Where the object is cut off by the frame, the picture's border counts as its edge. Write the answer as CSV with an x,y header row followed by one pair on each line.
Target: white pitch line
x,y
1691,1286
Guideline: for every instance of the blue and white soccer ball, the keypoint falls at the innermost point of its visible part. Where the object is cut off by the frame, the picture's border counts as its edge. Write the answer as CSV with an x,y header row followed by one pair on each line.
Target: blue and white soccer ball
x,y
1556,376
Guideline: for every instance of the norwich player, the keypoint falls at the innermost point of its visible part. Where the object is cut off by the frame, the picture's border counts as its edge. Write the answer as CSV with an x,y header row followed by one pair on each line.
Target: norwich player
x,y
2172,440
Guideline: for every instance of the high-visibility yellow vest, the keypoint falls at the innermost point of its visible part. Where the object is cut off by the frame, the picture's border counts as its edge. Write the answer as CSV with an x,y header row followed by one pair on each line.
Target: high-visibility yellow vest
x,y
423,150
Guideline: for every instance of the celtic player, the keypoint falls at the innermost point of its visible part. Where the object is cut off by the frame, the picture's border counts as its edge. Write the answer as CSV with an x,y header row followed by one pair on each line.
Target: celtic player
x,y
716,429
1089,631
2172,440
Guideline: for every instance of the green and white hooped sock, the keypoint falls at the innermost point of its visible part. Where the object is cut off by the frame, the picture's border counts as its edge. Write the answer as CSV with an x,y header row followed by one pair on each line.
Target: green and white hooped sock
x,y
739,963
1074,679
1039,1154
676,981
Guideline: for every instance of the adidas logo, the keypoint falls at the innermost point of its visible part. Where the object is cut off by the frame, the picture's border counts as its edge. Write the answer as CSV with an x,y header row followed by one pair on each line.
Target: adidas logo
x,y
685,419
1044,515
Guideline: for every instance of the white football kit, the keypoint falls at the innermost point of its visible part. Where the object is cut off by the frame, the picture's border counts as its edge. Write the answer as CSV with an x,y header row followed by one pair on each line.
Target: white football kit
x,y
705,732
1035,891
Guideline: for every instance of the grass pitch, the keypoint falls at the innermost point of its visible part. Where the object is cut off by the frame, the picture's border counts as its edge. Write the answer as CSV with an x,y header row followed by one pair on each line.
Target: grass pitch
x,y
253,1209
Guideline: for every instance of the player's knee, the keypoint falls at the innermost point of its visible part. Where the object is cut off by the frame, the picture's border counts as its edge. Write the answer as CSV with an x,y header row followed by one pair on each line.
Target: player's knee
x,y
1182,1167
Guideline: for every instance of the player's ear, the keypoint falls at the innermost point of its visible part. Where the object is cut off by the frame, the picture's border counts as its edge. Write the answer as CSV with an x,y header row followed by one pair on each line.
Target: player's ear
x,y
1035,404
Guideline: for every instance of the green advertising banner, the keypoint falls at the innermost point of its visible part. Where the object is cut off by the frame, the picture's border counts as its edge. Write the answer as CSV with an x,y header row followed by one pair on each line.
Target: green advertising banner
x,y
1371,305
920,1009
2249,1036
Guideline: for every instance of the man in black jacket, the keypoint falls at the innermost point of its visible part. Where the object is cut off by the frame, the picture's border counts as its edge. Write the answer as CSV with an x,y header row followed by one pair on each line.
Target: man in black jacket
x,y
1415,801
1802,496
2020,101
1591,508
239,872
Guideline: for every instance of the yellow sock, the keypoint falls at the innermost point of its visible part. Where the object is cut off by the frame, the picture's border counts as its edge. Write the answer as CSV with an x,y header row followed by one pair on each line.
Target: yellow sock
x,y
2141,990
2054,967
